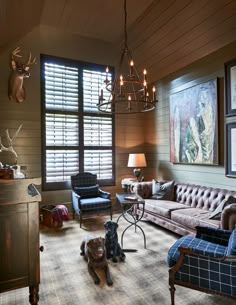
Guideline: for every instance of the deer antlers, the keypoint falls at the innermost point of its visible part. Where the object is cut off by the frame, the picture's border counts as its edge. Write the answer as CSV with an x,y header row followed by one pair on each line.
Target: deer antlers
x,y
10,142
29,62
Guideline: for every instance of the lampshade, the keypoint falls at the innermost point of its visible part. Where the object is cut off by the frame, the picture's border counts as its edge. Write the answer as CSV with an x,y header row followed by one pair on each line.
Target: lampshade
x,y
137,160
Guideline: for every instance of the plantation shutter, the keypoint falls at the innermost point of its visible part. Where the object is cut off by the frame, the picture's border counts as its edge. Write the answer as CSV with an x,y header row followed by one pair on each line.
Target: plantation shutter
x,y
97,129
76,136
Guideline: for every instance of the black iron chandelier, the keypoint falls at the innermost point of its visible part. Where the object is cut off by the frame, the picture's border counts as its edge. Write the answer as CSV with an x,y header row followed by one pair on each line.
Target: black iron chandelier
x,y
128,92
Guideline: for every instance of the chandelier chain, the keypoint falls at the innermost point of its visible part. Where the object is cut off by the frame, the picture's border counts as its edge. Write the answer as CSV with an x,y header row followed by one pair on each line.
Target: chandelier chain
x,y
125,27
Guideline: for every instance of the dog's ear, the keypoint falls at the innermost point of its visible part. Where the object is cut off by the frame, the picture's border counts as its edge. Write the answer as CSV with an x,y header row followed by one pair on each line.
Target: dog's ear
x,y
90,242
102,239
106,224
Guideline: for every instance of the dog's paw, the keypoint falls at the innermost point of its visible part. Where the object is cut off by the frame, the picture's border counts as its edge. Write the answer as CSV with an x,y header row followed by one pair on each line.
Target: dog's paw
x,y
97,281
114,259
109,282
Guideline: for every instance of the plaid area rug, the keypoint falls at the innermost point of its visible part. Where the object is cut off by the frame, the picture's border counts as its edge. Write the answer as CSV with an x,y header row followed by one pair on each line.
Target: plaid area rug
x,y
141,280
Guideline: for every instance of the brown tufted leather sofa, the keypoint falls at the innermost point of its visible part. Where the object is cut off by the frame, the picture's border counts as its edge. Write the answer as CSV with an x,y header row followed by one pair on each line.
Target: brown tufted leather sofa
x,y
191,207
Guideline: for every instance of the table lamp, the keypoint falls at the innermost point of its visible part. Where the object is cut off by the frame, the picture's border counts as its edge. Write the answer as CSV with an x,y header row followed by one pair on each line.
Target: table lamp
x,y
136,161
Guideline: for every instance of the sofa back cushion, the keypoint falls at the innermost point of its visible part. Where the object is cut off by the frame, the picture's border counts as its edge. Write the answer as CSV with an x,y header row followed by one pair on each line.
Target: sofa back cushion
x,y
163,191
232,244
87,191
203,197
218,211
143,189
192,195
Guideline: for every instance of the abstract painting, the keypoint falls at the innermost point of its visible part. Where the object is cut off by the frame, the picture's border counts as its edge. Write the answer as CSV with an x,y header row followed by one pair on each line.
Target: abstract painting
x,y
193,125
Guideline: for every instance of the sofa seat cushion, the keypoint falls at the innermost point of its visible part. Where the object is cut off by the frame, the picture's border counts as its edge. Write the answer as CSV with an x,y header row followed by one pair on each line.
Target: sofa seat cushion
x,y
163,207
193,217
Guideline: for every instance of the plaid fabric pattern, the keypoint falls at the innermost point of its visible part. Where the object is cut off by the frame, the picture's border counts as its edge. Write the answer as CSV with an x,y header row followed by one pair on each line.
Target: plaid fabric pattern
x,y
87,191
94,203
213,235
83,179
91,197
198,246
232,244
141,280
205,272
105,195
208,269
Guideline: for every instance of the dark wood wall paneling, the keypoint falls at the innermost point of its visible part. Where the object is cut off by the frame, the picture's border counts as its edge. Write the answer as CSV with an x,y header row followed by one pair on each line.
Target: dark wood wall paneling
x,y
176,33
28,142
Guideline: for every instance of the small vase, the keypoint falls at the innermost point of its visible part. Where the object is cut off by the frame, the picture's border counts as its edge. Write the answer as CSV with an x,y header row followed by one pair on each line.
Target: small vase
x,y
17,173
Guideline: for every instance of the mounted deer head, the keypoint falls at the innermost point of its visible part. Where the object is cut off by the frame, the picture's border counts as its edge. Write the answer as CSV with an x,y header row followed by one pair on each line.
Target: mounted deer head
x,y
10,143
20,71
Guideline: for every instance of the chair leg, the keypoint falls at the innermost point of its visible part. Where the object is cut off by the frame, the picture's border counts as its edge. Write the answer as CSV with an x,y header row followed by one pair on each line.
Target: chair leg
x,y
172,294
80,219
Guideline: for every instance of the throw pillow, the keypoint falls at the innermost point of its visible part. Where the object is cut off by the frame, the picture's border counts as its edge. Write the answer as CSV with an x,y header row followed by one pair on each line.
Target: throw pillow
x,y
232,244
163,191
217,213
87,191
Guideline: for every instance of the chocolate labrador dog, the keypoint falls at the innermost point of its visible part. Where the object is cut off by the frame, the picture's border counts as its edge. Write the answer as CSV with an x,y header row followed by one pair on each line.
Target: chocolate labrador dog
x,y
113,248
94,252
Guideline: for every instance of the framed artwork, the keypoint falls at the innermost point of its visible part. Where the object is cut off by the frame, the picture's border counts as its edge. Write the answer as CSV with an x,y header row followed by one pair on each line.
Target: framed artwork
x,y
230,149
230,88
194,125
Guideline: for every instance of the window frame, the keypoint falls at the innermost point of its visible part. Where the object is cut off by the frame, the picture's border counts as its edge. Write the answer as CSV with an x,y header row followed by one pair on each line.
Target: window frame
x,y
60,185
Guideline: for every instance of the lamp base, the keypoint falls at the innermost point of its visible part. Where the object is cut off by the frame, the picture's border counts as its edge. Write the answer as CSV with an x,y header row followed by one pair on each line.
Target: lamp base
x,y
137,172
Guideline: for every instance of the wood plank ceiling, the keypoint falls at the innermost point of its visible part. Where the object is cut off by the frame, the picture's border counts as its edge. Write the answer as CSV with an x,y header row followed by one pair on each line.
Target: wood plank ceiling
x,y
163,35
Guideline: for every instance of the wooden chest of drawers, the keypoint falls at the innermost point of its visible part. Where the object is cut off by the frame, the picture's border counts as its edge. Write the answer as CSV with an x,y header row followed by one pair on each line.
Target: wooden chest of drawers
x,y
19,238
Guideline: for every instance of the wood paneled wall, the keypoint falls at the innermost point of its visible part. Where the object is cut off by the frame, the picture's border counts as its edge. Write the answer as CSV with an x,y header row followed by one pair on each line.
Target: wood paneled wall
x,y
46,40
157,140
148,133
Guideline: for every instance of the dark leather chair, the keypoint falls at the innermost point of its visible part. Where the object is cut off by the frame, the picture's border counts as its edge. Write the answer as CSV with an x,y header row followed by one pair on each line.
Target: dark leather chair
x,y
87,197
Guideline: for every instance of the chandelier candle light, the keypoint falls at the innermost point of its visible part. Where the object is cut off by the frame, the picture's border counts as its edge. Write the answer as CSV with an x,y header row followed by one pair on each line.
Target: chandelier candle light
x,y
128,93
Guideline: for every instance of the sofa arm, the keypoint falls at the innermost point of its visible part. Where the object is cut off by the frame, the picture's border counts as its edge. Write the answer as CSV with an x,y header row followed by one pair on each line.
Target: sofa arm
x,y
228,217
188,256
75,201
105,195
143,189
75,196
213,235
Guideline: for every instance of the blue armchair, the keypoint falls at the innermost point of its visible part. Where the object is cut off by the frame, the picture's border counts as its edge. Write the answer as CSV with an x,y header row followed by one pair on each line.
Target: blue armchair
x,y
206,262
87,197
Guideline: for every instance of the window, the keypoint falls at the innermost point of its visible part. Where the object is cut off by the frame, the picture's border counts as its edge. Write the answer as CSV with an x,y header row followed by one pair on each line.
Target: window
x,y
76,137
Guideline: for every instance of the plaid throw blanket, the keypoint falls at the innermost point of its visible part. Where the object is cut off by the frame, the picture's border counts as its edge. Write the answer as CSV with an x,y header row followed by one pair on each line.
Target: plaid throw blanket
x,y
60,212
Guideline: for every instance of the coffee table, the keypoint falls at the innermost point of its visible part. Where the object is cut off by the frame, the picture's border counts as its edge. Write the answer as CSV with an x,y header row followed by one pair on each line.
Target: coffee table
x,y
128,203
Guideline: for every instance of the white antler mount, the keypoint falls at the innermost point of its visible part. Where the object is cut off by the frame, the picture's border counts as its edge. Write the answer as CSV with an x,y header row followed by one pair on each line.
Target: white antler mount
x,y
10,141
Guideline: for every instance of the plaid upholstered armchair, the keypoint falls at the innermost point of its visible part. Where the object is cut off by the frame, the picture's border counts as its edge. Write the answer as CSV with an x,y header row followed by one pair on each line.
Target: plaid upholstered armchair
x,y
206,262
87,197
